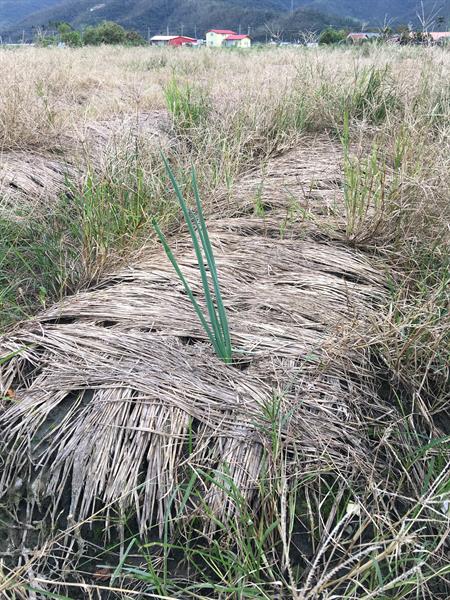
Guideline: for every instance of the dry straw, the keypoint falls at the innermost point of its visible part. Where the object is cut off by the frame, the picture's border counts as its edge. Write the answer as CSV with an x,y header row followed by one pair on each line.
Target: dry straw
x,y
115,401
112,380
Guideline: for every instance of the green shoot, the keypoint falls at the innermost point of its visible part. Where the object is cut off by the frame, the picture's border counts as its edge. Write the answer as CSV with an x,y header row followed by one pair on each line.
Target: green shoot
x,y
216,325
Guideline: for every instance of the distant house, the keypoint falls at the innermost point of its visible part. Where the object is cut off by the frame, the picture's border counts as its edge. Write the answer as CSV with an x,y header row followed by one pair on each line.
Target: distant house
x,y
225,38
237,41
172,40
216,37
424,38
440,37
361,37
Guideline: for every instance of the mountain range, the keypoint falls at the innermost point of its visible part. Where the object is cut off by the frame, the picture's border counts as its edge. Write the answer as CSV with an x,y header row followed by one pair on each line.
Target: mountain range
x,y
196,16
377,12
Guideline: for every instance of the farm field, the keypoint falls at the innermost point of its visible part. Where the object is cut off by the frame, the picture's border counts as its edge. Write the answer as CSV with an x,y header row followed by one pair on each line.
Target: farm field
x,y
137,458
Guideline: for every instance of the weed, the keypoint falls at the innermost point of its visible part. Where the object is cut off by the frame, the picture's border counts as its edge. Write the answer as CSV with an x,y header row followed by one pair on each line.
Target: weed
x,y
92,227
369,193
187,104
37,261
259,209
372,97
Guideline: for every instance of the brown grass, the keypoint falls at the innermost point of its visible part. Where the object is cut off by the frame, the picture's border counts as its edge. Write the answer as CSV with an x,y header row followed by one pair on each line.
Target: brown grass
x,y
34,182
287,299
337,403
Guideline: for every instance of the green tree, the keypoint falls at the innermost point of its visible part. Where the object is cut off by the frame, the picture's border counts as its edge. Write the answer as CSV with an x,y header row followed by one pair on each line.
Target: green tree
x,y
332,36
45,40
133,38
69,36
90,36
107,32
64,28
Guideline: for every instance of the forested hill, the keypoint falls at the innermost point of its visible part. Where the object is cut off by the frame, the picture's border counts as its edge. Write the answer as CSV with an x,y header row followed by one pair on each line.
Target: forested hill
x,y
376,12
196,16
190,16
13,11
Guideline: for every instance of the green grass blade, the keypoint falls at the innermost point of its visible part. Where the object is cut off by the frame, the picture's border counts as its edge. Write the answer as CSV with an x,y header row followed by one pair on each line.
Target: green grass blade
x,y
212,265
216,322
183,280
217,328
219,313
4,359
118,570
199,255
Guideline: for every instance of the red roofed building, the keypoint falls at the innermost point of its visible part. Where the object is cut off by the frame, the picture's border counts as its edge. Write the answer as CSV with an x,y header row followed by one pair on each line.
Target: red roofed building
x,y
218,38
171,40
222,31
237,41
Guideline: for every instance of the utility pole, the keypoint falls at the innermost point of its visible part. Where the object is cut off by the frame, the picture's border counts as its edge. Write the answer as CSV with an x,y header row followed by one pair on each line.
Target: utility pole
x,y
249,29
239,29
148,35
195,31
167,29
182,28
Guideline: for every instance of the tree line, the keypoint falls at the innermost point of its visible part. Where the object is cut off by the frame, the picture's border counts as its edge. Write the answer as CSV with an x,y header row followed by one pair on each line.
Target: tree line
x,y
107,32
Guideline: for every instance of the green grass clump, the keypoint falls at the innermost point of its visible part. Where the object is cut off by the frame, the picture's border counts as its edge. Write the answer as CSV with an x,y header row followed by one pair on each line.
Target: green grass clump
x,y
373,97
187,104
90,229
217,328
371,188
37,263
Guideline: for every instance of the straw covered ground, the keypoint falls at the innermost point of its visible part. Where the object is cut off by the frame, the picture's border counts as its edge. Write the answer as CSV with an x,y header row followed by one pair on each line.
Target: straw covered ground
x,y
30,182
134,462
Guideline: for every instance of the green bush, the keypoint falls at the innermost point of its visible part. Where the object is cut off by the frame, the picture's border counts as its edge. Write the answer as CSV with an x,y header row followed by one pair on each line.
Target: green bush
x,y
332,36
109,32
69,36
133,38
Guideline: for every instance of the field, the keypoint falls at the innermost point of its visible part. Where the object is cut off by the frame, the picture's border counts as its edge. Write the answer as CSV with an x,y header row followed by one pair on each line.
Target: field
x,y
138,457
